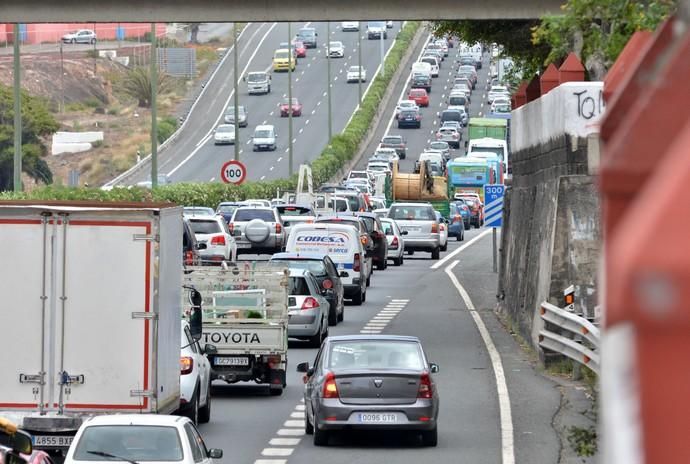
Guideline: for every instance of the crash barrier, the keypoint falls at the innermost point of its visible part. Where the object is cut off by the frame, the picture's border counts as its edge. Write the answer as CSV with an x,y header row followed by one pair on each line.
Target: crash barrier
x,y
583,343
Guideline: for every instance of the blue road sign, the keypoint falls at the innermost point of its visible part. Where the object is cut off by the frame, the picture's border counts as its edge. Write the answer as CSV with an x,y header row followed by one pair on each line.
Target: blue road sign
x,y
493,204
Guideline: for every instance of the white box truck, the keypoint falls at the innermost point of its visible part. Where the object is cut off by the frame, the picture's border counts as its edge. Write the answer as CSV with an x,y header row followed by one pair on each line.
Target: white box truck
x,y
245,317
90,315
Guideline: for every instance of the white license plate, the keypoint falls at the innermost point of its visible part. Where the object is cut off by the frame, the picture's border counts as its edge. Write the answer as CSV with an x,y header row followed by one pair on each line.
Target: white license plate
x,y
377,418
412,229
231,361
243,245
52,440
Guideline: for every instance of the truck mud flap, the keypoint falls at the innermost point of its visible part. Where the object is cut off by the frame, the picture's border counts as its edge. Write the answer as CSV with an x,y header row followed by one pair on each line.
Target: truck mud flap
x,y
277,377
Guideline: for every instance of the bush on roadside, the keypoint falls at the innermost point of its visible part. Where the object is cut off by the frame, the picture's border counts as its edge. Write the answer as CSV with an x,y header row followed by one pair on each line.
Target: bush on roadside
x,y
342,148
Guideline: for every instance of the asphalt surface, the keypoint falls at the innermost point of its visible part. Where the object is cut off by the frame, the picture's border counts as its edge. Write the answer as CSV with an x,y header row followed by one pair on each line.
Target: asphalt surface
x,y
254,427
194,157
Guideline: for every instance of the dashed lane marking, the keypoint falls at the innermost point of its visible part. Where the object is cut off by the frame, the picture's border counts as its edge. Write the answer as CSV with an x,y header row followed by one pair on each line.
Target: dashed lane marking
x,y
277,451
291,432
280,159
284,441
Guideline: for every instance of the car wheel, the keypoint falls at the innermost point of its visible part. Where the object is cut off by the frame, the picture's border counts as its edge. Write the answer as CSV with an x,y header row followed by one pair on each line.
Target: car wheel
x,y
93,41
308,428
381,265
364,296
403,156
193,411
459,236
73,41
332,315
205,412
341,316
444,247
358,299
320,437
436,253
398,261
316,339
410,252
369,281
430,437
275,391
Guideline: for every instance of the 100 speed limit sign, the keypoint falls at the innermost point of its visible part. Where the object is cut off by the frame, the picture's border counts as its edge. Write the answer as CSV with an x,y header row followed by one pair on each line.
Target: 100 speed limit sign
x,y
233,172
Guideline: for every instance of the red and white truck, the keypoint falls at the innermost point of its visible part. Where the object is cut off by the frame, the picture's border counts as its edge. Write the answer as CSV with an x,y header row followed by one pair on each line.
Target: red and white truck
x,y
91,313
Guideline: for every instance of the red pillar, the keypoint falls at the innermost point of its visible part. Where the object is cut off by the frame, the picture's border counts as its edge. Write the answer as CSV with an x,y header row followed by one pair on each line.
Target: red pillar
x,y
549,79
571,70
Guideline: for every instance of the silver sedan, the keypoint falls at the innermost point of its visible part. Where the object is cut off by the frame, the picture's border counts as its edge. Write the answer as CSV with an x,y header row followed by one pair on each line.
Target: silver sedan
x,y
370,382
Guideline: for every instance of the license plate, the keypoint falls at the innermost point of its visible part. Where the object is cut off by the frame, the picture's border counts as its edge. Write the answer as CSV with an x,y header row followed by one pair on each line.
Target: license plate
x,y
52,440
231,361
244,245
412,229
378,418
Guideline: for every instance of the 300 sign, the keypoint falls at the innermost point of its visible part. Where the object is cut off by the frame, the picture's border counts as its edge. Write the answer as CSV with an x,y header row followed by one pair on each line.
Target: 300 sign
x,y
233,172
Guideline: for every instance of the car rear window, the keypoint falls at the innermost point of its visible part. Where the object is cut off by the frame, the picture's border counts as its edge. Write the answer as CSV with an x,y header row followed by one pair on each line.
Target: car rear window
x,y
315,266
417,213
205,227
375,354
130,443
298,286
249,214
450,116
369,223
227,209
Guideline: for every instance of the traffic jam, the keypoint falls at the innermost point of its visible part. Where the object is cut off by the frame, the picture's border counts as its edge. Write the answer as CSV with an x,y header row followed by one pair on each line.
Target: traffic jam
x,y
255,276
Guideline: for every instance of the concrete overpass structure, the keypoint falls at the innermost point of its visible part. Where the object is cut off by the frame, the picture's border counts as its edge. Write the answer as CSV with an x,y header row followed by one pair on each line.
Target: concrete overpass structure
x,y
39,11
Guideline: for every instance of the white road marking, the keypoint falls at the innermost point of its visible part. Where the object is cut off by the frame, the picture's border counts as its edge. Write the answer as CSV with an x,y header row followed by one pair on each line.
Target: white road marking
x,y
383,318
335,78
297,415
318,103
284,95
264,123
507,438
375,324
248,142
306,123
284,441
212,179
296,79
325,93
241,151
301,129
232,93
262,177
280,159
277,451
271,168
271,113
300,407
294,140
287,149
293,423
291,432
364,331
459,249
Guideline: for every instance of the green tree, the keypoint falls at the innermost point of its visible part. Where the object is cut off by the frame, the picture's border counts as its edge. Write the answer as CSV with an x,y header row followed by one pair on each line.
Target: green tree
x,y
137,84
596,30
37,122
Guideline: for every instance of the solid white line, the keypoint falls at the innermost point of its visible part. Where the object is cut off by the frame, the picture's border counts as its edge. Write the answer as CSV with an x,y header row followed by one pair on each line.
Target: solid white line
x,y
249,62
291,432
507,438
284,441
277,451
293,423
459,249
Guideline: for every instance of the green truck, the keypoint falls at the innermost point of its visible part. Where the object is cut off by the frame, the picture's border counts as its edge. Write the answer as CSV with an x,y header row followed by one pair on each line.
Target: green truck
x,y
493,128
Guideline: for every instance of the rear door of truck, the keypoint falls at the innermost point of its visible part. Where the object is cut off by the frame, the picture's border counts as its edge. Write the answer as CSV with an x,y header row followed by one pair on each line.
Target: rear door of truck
x,y
80,292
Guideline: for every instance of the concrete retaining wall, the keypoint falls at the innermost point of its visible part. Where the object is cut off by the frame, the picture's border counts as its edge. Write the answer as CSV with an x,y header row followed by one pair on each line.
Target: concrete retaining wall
x,y
550,236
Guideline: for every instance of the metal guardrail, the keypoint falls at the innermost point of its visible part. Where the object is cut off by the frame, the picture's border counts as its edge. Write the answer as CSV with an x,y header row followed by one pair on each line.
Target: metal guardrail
x,y
582,346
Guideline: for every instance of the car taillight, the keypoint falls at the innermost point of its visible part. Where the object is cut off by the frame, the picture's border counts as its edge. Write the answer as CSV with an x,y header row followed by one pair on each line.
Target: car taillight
x,y
356,266
434,228
426,388
330,388
456,135
218,240
328,283
279,228
394,244
419,118
186,365
189,258
310,303
273,361
364,240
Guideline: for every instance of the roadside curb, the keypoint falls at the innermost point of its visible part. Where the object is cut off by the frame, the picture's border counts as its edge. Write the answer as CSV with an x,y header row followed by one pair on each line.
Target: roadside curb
x,y
383,104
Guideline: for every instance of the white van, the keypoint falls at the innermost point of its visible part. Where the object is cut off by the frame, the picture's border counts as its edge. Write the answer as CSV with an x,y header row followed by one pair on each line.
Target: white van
x,y
264,138
342,244
490,145
433,62
421,68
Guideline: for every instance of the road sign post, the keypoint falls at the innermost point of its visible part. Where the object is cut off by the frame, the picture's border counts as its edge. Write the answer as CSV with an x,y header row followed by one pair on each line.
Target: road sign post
x,y
493,213
233,172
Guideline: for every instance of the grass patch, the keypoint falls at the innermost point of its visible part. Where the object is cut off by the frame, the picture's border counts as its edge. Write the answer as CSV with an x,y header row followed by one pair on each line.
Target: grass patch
x,y
584,440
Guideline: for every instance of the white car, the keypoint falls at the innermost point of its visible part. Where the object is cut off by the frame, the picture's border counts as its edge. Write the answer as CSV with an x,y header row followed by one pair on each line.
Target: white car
x,y
213,232
108,438
389,24
337,50
406,105
387,154
195,378
442,231
224,133
356,74
86,36
264,138
349,26
379,167
396,242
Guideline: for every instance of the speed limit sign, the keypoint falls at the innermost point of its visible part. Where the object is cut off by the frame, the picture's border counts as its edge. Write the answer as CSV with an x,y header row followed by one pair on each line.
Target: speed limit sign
x,y
233,172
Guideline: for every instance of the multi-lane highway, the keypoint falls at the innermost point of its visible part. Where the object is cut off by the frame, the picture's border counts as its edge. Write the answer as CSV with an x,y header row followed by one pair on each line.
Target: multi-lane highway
x,y
494,407
194,157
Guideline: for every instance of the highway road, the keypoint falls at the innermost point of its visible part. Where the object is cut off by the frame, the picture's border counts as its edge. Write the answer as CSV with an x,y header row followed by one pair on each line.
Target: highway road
x,y
495,408
194,157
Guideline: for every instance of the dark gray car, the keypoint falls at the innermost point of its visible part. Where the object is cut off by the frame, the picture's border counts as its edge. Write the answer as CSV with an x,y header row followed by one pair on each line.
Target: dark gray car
x,y
375,382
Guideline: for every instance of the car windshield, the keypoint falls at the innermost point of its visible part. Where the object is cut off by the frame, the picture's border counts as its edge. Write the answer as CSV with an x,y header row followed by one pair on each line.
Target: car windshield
x,y
294,211
231,110
354,69
129,442
256,77
298,286
262,134
417,92
282,55
205,227
336,45
358,175
502,109
286,101
249,214
306,33
377,167
316,267
450,116
376,24
411,212
392,140
439,145
225,128
375,354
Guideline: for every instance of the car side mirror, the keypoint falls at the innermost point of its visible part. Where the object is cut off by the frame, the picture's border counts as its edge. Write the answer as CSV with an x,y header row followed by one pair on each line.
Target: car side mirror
x,y
210,349
244,79
201,246
343,274
404,232
195,315
303,367
215,453
433,367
